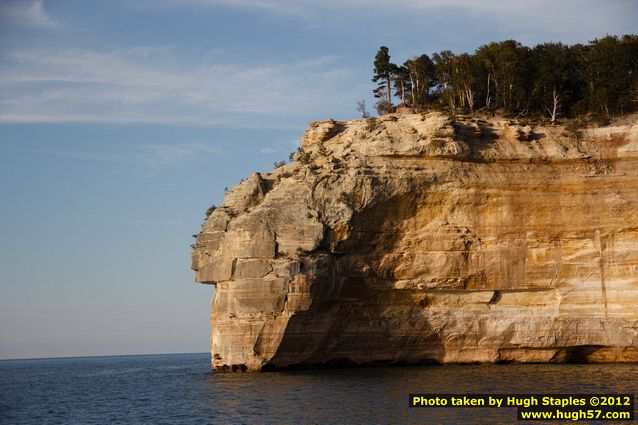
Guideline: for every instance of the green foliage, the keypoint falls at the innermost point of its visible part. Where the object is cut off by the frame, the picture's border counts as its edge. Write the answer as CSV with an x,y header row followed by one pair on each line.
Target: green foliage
x,y
384,71
444,70
278,164
421,78
401,80
555,79
550,80
610,72
507,66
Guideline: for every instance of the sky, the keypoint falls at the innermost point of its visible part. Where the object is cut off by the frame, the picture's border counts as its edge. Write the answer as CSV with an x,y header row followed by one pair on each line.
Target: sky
x,y
122,121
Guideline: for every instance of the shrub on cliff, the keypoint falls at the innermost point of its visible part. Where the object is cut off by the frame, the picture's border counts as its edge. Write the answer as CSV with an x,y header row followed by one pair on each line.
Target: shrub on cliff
x,y
210,210
301,156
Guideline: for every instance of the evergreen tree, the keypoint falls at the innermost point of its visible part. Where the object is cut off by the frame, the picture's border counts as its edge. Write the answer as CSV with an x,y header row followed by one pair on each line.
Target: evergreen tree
x,y
422,79
631,47
465,80
609,76
402,87
553,68
549,80
383,73
444,69
487,58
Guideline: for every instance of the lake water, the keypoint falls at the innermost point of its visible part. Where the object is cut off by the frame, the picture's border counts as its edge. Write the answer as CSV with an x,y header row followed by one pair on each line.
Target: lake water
x,y
180,389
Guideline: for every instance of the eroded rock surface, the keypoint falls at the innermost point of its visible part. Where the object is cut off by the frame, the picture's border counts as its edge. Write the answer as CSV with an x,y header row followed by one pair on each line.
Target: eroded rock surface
x,y
412,238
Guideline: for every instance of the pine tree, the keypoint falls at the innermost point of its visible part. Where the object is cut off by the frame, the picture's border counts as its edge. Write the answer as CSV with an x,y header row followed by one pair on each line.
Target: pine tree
x,y
465,80
402,88
383,73
551,80
608,74
553,69
422,78
443,67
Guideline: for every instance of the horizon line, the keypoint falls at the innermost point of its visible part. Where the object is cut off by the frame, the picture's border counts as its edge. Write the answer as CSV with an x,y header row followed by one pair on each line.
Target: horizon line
x,y
99,355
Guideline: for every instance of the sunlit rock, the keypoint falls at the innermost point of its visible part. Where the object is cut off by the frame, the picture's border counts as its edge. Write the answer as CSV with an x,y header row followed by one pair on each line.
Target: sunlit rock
x,y
415,238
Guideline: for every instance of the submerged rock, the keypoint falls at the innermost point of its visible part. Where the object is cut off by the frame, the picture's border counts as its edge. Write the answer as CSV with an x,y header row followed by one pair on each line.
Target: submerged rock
x,y
414,238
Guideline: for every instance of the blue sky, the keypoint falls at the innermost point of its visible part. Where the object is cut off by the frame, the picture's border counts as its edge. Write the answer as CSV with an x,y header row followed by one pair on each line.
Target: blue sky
x,y
122,121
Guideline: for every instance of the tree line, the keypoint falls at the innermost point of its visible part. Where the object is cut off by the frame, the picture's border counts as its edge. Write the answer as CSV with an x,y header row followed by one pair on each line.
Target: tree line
x,y
549,80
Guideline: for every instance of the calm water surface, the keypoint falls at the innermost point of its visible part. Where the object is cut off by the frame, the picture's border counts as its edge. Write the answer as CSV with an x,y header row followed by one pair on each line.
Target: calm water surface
x,y
176,389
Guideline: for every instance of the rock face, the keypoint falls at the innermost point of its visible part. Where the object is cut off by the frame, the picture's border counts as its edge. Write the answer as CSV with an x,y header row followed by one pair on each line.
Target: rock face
x,y
414,238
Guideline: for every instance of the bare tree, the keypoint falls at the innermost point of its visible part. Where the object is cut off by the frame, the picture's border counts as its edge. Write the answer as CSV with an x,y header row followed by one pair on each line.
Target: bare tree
x,y
555,103
361,107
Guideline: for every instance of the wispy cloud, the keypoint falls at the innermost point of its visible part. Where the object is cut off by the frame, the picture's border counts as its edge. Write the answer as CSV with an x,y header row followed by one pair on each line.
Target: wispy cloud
x,y
79,155
62,84
29,13
151,85
568,20
154,156
159,156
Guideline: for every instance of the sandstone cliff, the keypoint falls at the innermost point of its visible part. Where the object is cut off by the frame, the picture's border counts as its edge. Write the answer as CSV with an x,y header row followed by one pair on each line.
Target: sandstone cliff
x,y
414,238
